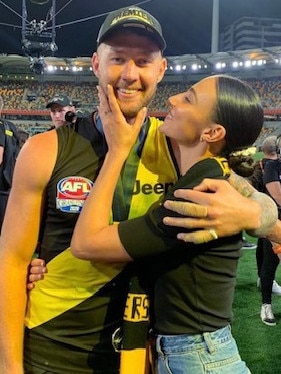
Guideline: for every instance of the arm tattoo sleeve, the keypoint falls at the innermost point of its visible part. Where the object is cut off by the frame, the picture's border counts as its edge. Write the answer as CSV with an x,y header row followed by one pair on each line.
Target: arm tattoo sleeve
x,y
269,211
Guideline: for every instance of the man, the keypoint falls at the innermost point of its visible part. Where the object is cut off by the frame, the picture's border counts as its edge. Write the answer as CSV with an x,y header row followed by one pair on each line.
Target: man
x,y
59,106
72,314
9,149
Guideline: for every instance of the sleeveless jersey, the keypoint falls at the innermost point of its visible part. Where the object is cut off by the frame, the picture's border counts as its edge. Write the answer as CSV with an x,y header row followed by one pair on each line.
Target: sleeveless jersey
x,y
73,312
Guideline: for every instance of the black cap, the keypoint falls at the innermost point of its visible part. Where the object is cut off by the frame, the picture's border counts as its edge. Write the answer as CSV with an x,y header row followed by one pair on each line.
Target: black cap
x,y
62,100
132,17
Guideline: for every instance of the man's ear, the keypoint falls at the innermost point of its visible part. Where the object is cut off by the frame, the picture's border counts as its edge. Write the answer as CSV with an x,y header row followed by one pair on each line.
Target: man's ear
x,y
95,64
214,133
162,69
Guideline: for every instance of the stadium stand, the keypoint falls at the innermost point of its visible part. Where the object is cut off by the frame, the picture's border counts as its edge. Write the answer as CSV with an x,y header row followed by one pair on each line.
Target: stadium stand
x,y
25,101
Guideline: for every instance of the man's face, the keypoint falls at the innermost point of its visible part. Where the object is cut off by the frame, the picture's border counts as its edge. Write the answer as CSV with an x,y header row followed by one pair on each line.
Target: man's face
x,y
57,113
133,65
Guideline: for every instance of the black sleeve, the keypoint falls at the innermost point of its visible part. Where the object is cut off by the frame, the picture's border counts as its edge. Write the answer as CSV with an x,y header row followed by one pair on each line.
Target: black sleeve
x,y
2,133
271,171
147,235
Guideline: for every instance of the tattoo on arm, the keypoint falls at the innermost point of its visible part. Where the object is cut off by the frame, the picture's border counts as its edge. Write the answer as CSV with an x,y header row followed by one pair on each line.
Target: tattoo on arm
x,y
241,185
269,213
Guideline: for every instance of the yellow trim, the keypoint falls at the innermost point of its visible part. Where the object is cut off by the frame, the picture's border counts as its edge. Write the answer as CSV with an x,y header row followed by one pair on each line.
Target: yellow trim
x,y
223,164
69,282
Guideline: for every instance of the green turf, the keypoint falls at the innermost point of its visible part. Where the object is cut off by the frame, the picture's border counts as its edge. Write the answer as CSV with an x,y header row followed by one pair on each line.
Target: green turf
x,y
257,156
259,344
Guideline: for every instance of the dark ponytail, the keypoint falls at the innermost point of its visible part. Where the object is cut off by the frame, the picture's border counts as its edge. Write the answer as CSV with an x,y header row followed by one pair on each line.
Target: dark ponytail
x,y
239,111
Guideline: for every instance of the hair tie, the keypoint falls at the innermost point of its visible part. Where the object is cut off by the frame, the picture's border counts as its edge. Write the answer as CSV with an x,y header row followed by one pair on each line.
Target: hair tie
x,y
245,152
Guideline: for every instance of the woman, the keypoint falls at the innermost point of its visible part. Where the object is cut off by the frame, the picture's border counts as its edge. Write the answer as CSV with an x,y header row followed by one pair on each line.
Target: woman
x,y
192,286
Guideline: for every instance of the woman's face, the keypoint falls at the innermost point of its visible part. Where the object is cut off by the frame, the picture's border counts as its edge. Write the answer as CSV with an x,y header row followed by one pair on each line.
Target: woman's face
x,y
190,112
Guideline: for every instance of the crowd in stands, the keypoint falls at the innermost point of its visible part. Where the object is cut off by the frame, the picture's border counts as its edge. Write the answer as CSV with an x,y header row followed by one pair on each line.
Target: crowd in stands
x,y
33,95
269,90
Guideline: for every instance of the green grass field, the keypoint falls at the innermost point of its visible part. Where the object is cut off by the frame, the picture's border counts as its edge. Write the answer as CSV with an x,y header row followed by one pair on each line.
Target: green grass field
x,y
259,344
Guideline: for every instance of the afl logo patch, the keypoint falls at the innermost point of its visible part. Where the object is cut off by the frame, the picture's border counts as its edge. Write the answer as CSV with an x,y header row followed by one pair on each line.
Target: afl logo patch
x,y
71,193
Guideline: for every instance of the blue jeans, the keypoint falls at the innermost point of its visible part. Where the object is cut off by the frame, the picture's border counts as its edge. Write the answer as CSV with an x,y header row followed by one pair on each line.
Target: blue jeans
x,y
208,353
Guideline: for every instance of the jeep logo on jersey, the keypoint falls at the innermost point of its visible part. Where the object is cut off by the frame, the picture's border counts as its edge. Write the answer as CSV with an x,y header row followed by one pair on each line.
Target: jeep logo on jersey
x,y
71,193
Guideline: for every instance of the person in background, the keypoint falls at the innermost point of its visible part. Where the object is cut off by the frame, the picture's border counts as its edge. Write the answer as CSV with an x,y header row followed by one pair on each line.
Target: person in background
x,y
9,149
268,260
59,107
247,244
270,151
23,136
192,285
265,258
69,328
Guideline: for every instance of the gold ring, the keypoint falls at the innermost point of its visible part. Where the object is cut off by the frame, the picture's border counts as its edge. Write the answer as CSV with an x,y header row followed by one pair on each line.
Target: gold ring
x,y
213,234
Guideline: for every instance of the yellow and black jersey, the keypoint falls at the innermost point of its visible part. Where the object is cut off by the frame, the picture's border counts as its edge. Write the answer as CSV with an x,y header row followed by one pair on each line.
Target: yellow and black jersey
x,y
74,311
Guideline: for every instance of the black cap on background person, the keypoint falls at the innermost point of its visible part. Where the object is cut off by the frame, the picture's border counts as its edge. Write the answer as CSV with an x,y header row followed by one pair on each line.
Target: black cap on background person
x,y
132,17
59,105
62,100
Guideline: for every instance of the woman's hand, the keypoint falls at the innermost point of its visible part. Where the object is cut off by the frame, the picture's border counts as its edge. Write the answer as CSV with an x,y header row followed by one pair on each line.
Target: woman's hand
x,y
37,269
213,209
120,132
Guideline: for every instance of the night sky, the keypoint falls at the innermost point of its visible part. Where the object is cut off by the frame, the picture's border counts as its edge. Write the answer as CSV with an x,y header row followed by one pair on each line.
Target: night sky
x,y
187,24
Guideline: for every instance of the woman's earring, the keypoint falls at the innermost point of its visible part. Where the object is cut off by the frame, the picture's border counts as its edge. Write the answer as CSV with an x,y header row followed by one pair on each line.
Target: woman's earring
x,y
202,139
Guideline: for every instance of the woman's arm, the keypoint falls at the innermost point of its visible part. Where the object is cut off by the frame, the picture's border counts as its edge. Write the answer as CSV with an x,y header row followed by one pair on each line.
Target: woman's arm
x,y
228,208
94,237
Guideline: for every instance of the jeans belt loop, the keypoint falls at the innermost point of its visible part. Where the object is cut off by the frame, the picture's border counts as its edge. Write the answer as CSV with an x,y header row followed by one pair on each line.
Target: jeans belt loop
x,y
209,343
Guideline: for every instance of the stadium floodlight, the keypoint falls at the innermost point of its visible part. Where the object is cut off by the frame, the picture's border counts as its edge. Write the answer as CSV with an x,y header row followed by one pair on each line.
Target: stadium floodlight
x,y
220,65
51,68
